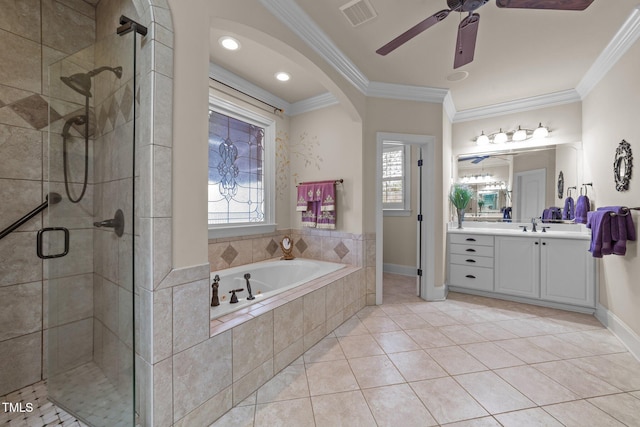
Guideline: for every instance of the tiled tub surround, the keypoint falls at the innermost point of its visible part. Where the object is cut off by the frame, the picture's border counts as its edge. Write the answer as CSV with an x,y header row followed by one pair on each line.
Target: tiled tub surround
x,y
248,348
323,245
267,279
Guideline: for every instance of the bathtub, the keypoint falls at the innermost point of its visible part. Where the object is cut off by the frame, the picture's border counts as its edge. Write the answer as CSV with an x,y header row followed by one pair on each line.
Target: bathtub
x,y
268,278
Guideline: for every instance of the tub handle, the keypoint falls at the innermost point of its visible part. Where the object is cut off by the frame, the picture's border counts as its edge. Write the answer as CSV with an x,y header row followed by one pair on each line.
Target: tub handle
x,y
234,298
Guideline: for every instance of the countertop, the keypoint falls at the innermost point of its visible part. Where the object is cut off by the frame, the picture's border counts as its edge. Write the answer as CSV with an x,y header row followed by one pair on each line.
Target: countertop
x,y
556,231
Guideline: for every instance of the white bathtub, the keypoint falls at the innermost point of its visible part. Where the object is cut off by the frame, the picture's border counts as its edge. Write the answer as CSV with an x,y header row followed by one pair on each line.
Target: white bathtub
x,y
268,278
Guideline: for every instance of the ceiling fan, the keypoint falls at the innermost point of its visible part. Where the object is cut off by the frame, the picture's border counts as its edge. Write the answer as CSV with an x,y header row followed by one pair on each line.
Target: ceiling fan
x,y
468,28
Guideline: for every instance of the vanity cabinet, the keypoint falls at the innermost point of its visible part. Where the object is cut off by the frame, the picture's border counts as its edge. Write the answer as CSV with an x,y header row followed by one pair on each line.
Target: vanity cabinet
x,y
471,261
517,266
567,272
555,270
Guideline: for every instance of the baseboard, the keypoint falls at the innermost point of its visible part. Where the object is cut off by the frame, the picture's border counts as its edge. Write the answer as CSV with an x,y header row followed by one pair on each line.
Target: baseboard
x,y
628,337
405,270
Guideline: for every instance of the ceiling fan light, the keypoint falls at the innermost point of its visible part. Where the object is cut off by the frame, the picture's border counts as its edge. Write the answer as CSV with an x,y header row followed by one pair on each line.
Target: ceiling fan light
x,y
482,139
500,137
520,134
541,132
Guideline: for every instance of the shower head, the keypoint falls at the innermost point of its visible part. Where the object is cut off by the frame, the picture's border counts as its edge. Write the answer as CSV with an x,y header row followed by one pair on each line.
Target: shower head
x,y
81,82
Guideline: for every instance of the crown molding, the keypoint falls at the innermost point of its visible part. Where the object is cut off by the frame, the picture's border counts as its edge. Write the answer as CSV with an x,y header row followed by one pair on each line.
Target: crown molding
x,y
228,78
518,105
314,103
626,36
296,19
406,92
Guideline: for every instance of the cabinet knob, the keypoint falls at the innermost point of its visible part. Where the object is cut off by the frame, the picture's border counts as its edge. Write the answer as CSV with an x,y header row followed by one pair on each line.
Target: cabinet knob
x,y
544,243
471,250
470,276
470,239
470,260
536,243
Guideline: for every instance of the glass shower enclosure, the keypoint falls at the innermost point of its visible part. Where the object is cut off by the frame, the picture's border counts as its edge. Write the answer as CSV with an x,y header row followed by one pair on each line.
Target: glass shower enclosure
x,y
88,238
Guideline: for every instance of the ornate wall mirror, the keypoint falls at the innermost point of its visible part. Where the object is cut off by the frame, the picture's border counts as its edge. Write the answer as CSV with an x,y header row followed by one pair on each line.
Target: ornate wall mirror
x,y
287,248
560,185
622,166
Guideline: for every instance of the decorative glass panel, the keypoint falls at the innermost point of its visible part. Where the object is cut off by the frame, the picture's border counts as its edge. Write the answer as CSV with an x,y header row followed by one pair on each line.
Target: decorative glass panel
x,y
236,178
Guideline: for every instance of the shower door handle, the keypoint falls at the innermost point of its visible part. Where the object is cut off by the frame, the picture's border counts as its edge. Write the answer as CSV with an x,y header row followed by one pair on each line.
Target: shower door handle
x,y
39,242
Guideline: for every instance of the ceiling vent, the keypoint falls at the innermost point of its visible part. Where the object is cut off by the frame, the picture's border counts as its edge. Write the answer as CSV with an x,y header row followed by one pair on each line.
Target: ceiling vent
x,y
358,12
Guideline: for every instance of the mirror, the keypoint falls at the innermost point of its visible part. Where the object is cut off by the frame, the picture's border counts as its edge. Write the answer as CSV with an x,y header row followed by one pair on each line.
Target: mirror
x,y
622,166
517,185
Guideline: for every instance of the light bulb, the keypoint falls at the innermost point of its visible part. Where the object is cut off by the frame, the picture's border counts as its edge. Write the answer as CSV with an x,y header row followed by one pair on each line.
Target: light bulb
x,y
520,134
541,132
229,43
500,137
482,139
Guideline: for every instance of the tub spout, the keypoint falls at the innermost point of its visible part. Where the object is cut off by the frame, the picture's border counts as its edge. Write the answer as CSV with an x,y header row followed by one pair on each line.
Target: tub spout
x,y
247,277
214,299
234,297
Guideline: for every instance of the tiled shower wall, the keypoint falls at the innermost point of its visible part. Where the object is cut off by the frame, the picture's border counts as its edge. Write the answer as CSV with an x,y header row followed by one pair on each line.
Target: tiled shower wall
x,y
33,34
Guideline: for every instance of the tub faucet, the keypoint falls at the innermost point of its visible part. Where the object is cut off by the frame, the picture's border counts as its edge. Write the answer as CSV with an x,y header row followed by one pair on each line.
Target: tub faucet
x,y
214,299
247,277
234,297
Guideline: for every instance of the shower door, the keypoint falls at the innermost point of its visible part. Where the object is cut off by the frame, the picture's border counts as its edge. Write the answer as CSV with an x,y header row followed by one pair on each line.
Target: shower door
x,y
88,236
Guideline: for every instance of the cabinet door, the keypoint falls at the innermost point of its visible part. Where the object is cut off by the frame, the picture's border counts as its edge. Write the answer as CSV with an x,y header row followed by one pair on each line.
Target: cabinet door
x,y
517,266
567,272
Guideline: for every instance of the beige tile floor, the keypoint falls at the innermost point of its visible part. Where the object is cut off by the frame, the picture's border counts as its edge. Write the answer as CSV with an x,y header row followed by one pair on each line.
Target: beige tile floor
x,y
468,361
465,362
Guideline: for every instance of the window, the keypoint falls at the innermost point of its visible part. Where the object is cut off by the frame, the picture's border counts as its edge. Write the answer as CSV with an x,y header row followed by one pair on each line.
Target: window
x,y
396,178
241,171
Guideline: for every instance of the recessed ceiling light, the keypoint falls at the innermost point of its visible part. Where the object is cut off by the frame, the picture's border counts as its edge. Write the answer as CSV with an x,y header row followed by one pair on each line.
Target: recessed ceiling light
x,y
457,76
229,43
282,76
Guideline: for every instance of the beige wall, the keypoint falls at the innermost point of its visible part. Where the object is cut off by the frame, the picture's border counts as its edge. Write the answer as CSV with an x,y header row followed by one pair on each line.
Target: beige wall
x,y
389,115
326,144
191,66
610,114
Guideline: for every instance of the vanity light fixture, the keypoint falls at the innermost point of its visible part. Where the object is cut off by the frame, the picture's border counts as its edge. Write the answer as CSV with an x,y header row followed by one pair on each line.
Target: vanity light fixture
x,y
500,138
229,43
518,135
482,139
283,76
541,132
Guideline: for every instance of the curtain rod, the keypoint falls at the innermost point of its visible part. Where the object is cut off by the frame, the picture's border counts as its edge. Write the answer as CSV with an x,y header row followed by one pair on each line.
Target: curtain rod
x,y
275,109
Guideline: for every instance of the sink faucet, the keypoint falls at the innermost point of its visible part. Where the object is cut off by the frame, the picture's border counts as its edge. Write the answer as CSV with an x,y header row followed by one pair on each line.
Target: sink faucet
x,y
247,277
533,224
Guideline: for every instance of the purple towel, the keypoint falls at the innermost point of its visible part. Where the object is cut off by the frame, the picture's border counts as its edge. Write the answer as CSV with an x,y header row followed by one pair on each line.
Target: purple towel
x,y
569,208
582,207
600,224
622,228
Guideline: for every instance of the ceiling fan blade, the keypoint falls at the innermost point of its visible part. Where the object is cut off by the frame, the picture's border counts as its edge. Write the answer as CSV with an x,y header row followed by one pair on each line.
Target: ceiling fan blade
x,y
546,4
413,31
466,43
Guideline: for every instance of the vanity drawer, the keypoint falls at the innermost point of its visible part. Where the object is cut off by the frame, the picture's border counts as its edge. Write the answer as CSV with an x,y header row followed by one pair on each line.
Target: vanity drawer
x,y
471,239
472,260
467,249
471,277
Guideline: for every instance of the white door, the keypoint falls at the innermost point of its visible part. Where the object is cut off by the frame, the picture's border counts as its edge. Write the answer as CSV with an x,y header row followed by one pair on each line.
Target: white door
x,y
530,194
